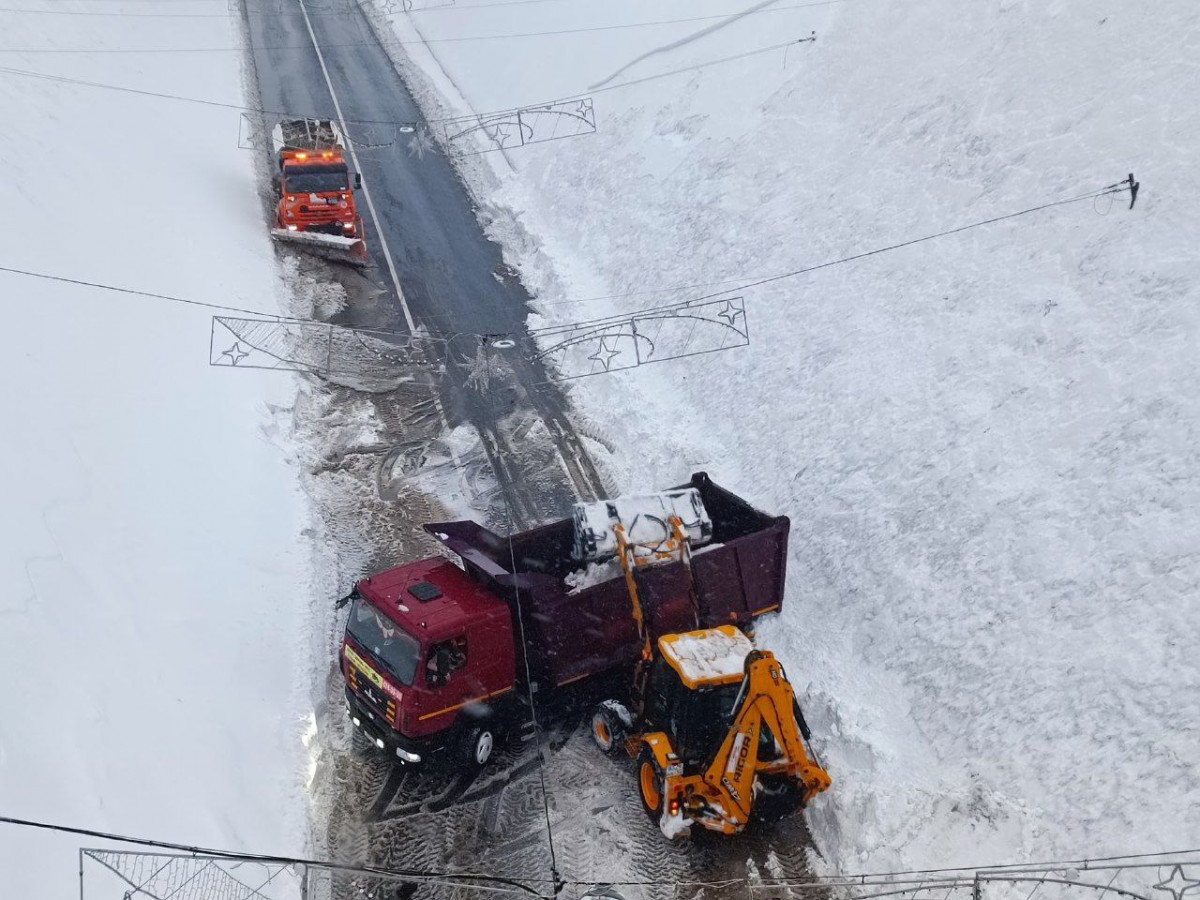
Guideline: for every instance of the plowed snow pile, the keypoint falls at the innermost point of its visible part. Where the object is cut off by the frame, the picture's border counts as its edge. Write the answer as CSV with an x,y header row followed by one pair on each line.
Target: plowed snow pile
x,y
153,607
987,444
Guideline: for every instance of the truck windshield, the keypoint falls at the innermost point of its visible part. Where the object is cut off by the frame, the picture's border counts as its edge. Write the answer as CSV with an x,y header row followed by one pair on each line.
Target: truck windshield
x,y
385,640
315,179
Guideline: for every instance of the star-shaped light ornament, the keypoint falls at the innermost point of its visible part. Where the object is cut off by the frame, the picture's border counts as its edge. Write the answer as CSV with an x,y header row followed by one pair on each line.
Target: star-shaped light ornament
x,y
730,313
499,133
604,354
235,353
1178,884
584,109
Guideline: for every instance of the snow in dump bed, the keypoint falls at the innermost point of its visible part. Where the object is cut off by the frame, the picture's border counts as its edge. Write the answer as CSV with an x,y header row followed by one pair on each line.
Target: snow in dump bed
x,y
646,519
593,574
307,134
709,655
153,588
987,445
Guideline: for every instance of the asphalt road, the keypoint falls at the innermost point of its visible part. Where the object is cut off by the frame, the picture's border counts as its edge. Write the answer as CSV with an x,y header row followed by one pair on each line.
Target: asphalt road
x,y
430,257
444,276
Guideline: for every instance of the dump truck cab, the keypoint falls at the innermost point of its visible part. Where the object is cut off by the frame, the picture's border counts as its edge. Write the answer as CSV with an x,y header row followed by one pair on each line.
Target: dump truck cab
x,y
437,652
428,662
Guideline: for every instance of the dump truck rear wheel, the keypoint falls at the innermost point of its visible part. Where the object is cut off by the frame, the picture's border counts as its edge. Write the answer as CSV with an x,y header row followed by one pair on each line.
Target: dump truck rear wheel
x,y
608,731
650,783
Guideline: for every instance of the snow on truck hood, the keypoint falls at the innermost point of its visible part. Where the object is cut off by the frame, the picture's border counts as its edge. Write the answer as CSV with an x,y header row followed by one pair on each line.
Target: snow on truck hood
x,y
711,656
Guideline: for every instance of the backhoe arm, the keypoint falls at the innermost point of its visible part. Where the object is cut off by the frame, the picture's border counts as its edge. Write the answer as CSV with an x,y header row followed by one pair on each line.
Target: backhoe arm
x,y
766,700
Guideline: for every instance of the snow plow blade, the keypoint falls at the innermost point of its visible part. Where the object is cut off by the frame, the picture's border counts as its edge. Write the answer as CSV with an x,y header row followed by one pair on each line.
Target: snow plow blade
x,y
334,247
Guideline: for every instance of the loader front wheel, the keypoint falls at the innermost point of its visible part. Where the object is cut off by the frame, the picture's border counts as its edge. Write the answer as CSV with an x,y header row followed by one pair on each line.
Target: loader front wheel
x,y
650,783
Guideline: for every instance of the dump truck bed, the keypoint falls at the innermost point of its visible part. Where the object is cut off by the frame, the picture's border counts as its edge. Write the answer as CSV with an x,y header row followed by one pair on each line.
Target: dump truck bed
x,y
578,620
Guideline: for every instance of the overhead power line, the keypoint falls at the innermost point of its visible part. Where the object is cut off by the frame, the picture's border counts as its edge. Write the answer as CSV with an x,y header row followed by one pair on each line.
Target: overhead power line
x,y
63,79
149,294
351,10
451,7
467,879
149,15
1129,185
461,878
443,40
743,283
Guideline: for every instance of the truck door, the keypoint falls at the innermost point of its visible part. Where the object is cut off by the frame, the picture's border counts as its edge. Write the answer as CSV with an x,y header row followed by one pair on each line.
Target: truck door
x,y
445,660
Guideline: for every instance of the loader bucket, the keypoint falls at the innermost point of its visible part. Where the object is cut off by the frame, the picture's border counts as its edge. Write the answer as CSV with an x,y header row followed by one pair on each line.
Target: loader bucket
x,y
333,247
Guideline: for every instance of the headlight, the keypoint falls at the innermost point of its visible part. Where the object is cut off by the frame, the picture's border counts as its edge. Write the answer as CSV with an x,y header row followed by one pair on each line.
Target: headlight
x,y
344,204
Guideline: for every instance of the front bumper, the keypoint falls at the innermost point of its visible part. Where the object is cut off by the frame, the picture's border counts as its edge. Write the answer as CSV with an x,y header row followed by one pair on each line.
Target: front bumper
x,y
385,738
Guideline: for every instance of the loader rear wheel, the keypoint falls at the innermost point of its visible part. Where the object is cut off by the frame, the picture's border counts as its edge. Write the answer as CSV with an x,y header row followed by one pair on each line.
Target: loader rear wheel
x,y
650,783
608,731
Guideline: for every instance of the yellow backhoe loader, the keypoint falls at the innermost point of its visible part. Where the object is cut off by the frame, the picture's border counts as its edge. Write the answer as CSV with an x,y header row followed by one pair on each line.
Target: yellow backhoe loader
x,y
713,723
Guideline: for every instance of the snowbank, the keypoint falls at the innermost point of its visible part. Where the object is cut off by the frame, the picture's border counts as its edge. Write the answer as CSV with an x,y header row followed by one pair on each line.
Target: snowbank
x,y
987,444
153,600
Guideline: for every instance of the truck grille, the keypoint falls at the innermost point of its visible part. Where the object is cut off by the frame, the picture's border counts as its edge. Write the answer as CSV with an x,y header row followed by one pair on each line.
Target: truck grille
x,y
326,228
375,698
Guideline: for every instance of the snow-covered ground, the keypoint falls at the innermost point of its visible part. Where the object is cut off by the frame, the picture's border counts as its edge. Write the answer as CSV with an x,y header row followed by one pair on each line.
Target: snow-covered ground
x,y
987,444
154,664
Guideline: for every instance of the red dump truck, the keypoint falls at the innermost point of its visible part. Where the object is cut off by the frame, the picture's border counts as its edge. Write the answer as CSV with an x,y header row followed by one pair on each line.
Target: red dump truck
x,y
439,657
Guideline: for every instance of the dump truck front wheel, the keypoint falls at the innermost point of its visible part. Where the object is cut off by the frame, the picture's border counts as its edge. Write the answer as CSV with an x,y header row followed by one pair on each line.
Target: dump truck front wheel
x,y
650,783
479,743
608,731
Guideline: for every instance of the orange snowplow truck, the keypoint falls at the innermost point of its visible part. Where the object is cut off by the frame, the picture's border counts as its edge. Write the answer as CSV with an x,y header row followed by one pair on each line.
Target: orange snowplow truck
x,y
316,191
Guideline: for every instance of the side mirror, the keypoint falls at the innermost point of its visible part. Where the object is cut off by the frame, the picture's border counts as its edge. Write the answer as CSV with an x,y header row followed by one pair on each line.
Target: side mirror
x,y
357,180
353,595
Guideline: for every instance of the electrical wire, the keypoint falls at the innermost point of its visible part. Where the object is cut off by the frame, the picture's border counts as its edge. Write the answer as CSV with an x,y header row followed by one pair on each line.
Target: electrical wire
x,y
352,11
137,15
149,294
458,878
740,285
1120,187
390,42
467,879
451,7
537,728
63,79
